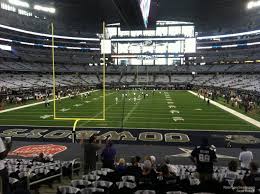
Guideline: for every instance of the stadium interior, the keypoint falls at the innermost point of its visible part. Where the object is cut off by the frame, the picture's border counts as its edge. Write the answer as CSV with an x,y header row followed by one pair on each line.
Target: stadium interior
x,y
129,96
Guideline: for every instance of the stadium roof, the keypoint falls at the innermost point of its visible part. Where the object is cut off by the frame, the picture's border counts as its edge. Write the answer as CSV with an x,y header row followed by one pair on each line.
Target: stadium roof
x,y
201,12
198,11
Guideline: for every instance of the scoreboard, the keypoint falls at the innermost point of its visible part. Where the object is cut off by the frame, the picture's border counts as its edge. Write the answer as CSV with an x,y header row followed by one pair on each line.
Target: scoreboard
x,y
166,45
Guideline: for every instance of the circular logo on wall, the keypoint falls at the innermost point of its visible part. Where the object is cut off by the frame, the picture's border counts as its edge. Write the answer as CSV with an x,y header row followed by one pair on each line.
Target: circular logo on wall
x,y
32,150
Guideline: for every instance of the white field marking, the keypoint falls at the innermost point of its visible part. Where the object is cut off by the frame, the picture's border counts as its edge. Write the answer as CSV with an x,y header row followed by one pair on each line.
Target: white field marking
x,y
171,106
87,102
174,111
177,119
241,116
170,102
101,112
199,109
65,109
36,103
186,154
77,105
46,116
131,111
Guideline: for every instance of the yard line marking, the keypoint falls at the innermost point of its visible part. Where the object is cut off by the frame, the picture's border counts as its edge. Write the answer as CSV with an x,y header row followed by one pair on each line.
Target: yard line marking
x,y
131,111
65,109
177,119
77,105
34,104
46,116
241,116
174,111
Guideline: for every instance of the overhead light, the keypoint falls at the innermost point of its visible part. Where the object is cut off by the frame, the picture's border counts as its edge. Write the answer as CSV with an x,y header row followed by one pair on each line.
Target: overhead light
x,y
45,9
19,3
253,4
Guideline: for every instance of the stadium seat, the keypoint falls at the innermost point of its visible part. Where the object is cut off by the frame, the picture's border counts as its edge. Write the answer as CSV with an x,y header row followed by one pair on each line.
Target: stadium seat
x,y
80,183
68,190
145,192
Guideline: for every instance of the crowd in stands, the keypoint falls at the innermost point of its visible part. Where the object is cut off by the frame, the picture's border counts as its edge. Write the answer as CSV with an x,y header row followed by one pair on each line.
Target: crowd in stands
x,y
249,101
141,175
147,176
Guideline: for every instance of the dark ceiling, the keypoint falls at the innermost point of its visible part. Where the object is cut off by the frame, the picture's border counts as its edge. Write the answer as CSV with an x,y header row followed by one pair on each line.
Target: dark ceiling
x,y
204,13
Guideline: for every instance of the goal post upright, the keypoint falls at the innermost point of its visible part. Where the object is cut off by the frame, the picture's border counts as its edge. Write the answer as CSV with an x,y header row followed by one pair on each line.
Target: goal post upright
x,y
75,119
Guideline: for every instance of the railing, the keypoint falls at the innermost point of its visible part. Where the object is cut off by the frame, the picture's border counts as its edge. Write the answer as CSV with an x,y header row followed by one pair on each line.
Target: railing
x,y
76,168
29,184
1,186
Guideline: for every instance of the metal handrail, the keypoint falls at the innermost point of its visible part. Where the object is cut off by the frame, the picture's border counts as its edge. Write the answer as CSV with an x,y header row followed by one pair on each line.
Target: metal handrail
x,y
75,169
1,185
44,179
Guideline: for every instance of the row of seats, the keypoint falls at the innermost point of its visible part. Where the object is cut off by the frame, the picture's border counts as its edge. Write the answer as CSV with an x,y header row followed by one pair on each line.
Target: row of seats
x,y
109,181
236,81
21,171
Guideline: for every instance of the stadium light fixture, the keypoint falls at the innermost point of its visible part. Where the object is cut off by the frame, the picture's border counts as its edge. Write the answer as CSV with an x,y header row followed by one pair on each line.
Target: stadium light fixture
x,y
253,4
45,9
47,35
19,3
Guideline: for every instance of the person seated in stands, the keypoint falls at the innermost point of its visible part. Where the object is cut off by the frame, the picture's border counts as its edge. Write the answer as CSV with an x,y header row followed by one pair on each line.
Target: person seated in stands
x,y
134,169
42,158
148,177
232,172
5,147
108,155
167,181
153,161
172,168
121,167
253,179
231,179
207,184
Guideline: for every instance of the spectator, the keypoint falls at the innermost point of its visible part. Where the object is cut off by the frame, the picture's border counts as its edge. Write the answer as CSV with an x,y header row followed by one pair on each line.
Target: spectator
x,y
253,179
167,181
172,169
148,176
134,169
108,155
203,156
121,167
43,158
153,161
245,157
232,171
90,152
5,147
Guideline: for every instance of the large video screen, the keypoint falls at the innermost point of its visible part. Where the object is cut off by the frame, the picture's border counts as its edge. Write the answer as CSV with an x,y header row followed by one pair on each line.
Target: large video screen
x,y
145,9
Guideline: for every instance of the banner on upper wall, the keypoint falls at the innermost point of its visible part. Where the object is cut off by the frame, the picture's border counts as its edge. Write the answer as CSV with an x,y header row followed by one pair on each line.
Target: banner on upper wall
x,y
133,136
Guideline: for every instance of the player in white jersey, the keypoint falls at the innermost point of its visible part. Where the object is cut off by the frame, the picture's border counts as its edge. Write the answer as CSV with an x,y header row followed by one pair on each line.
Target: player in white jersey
x,y
134,100
116,99
59,98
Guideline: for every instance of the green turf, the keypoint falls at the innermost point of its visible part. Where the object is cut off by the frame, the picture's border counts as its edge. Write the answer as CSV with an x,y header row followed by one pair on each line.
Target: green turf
x,y
152,112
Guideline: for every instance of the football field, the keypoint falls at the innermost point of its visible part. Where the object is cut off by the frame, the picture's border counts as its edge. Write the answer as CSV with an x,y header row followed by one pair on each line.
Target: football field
x,y
158,110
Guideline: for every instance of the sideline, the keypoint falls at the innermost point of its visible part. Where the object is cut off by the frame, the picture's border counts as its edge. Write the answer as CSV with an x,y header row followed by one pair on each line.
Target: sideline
x,y
233,112
36,103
